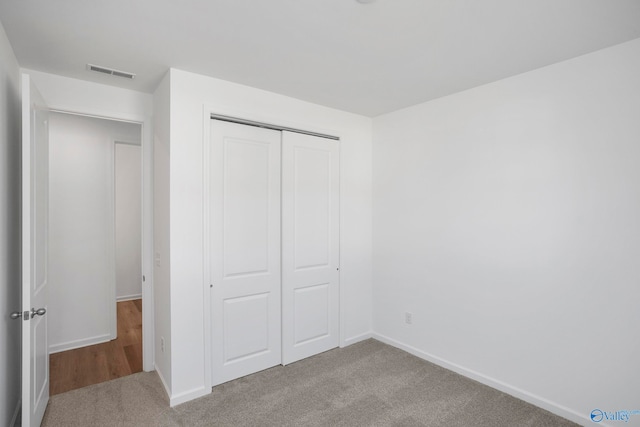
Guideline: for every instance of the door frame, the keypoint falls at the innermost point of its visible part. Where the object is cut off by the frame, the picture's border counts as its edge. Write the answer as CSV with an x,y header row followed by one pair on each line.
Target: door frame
x,y
148,325
277,121
113,145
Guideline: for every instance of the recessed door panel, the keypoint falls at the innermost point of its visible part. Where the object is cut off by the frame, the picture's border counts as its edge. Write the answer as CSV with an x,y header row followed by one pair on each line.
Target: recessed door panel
x,y
245,250
40,368
311,313
251,315
312,207
246,206
310,244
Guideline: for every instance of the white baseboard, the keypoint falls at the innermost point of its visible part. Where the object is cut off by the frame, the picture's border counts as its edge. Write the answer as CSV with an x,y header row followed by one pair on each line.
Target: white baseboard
x,y
181,397
70,345
128,297
538,401
188,395
16,414
357,338
164,383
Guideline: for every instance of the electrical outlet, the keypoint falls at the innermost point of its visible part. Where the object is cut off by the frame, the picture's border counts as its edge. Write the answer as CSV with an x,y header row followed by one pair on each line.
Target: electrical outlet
x,y
162,344
408,318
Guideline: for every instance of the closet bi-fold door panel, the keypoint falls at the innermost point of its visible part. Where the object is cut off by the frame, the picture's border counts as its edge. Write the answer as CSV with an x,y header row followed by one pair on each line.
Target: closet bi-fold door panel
x,y
310,245
245,249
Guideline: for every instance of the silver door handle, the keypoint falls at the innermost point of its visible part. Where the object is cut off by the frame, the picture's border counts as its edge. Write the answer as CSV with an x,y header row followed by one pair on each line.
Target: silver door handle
x,y
39,312
16,315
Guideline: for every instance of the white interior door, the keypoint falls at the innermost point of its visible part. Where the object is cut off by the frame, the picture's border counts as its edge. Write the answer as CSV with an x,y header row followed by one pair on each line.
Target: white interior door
x,y
245,250
310,245
35,167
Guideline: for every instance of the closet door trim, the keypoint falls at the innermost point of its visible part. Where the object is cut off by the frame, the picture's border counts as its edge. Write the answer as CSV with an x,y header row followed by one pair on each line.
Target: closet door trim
x,y
271,126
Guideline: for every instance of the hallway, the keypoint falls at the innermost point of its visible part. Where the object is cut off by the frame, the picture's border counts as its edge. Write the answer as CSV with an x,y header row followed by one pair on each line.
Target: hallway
x,y
94,364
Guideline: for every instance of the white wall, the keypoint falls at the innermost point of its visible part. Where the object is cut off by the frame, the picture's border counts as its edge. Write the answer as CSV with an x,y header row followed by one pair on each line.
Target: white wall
x,y
82,228
128,220
190,95
79,96
161,266
507,220
10,146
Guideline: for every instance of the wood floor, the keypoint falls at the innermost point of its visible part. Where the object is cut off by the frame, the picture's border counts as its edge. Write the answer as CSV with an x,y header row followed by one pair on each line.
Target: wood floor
x,y
69,370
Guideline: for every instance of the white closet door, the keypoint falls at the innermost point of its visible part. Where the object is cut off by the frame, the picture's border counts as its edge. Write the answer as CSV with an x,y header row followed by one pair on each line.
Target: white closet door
x,y
245,250
310,245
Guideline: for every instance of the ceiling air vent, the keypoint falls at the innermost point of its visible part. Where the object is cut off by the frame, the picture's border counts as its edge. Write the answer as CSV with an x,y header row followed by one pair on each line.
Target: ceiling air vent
x,y
111,71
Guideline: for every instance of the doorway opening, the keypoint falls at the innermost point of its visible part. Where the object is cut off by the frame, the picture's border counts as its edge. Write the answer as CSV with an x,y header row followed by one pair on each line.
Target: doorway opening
x,y
95,250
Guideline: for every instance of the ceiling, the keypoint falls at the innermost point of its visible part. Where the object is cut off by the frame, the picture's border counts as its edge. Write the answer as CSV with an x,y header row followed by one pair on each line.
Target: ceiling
x,y
363,58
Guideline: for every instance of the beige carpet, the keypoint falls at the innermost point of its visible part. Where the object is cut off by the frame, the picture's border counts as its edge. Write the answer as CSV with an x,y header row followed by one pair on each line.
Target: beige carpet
x,y
366,384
